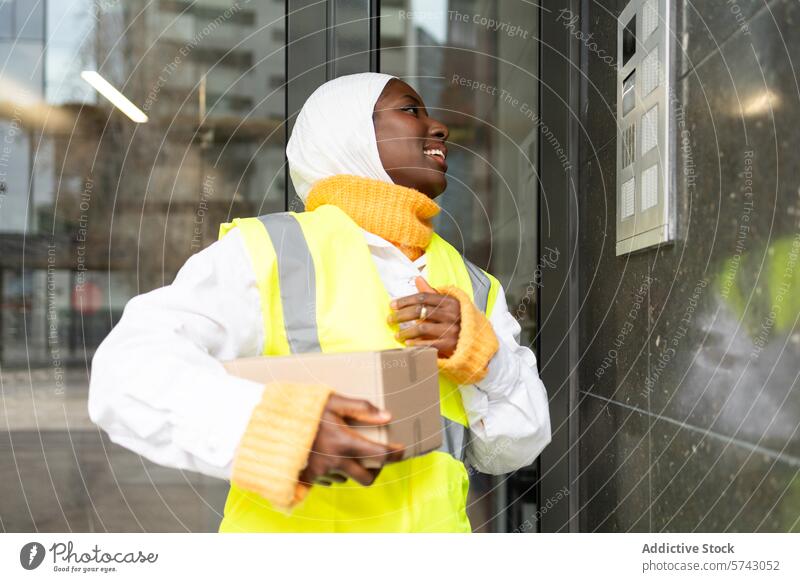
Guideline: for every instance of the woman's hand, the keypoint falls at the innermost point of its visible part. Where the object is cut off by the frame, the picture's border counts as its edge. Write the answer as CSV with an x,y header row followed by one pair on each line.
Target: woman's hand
x,y
337,447
440,327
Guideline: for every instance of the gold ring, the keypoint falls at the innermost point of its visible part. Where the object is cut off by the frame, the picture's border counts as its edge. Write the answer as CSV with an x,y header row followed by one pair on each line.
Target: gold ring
x,y
423,312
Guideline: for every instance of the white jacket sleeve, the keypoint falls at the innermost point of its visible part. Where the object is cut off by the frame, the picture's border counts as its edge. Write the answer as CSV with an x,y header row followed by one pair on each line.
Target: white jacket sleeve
x,y
157,386
507,410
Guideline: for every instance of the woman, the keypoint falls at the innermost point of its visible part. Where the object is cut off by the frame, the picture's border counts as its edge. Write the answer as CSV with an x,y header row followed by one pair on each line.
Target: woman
x,y
360,269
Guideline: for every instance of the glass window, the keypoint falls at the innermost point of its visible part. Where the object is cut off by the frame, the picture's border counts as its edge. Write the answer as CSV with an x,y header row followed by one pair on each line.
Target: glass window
x,y
96,208
476,66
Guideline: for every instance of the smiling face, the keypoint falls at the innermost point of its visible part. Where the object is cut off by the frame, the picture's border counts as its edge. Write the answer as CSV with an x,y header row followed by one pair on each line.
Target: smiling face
x,y
410,142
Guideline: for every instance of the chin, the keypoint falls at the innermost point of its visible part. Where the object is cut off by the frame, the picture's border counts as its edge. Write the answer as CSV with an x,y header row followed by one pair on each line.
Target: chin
x,y
430,183
435,187
442,188
433,192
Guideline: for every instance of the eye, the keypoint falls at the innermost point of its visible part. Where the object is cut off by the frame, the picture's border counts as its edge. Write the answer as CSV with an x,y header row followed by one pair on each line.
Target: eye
x,y
413,108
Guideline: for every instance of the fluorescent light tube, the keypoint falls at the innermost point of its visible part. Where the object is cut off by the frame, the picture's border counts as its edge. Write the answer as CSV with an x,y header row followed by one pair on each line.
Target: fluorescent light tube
x,y
119,100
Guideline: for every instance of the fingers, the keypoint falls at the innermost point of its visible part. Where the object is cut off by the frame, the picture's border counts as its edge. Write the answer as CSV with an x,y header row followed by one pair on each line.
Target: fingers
x,y
396,451
358,409
445,309
429,299
337,448
330,478
309,474
338,469
444,348
423,285
366,476
337,476
429,330
360,448
414,312
437,343
359,473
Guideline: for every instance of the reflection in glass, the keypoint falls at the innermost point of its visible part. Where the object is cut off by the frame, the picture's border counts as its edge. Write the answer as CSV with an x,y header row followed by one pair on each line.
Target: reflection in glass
x,y
95,209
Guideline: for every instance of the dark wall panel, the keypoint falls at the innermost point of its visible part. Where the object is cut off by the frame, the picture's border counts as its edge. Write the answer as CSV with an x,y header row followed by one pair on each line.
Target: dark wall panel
x,y
688,365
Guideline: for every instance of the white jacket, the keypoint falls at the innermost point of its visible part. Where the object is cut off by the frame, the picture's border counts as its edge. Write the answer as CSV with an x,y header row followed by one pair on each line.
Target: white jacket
x,y
158,388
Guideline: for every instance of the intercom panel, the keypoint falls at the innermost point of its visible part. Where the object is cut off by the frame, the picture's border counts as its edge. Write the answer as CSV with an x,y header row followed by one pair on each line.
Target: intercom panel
x,y
645,147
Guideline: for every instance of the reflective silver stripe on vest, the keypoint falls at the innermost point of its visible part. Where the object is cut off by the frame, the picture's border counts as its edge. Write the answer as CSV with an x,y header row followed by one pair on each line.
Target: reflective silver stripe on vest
x,y
480,285
455,438
297,279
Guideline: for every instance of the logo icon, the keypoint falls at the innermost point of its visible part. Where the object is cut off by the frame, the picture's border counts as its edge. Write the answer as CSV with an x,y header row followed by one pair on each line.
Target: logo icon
x,y
31,555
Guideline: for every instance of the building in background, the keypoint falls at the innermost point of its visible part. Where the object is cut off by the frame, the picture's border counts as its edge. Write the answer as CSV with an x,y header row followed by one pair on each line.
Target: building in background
x,y
127,203
95,209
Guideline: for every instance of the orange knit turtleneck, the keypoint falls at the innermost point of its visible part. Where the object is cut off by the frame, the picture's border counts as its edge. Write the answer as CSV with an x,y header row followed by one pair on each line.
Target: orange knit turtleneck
x,y
400,215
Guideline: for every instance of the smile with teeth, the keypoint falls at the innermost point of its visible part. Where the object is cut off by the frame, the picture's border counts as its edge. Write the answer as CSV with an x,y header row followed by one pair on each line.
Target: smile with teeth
x,y
434,152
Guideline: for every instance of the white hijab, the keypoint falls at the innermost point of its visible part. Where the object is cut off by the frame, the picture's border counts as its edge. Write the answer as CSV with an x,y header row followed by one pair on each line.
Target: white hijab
x,y
334,133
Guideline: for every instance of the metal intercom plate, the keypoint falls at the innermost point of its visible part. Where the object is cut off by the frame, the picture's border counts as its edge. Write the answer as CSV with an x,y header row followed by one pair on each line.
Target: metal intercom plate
x,y
645,196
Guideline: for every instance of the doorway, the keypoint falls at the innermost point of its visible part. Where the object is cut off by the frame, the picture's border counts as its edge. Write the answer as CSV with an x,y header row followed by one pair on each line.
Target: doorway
x,y
476,65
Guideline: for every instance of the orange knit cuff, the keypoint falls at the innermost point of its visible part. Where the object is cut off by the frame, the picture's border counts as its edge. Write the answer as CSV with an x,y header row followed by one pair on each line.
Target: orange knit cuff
x,y
477,342
277,441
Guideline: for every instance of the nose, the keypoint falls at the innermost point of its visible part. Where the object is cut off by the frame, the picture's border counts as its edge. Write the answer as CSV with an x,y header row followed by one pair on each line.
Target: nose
x,y
438,129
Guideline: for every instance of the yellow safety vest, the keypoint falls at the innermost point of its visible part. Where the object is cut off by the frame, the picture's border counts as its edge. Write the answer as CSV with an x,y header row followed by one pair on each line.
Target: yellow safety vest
x,y
321,292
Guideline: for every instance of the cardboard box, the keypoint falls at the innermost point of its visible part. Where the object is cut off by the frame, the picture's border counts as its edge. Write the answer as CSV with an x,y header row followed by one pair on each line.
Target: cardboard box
x,y
403,381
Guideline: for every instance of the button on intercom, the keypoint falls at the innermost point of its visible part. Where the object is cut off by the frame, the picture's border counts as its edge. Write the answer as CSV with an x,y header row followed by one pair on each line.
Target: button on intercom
x,y
645,152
